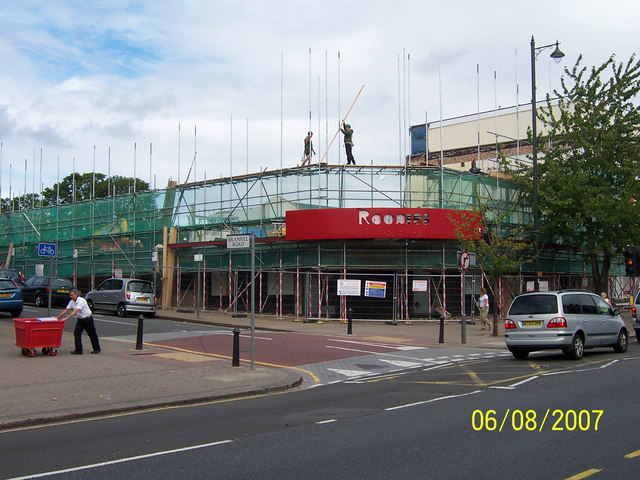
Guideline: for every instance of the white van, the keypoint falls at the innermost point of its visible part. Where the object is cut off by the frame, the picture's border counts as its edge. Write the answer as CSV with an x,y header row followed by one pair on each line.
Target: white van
x,y
570,320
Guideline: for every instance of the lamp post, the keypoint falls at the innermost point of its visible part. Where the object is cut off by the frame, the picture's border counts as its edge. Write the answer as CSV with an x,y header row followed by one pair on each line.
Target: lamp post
x,y
557,56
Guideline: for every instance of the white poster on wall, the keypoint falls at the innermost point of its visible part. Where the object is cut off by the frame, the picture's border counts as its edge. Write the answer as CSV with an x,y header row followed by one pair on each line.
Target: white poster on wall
x,y
349,287
420,285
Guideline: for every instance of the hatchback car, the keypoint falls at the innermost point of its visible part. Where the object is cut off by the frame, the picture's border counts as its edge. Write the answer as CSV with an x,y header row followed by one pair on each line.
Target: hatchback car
x,y
10,297
123,296
36,290
570,320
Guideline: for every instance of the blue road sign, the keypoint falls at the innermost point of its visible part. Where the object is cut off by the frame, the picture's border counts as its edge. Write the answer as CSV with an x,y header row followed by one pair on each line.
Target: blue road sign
x,y
47,249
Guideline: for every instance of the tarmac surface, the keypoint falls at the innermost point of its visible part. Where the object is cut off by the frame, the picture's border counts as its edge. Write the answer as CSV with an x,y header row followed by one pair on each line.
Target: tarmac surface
x,y
121,378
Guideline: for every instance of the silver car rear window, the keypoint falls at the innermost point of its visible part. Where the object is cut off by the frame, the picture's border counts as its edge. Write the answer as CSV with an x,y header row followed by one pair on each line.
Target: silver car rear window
x,y
140,287
534,304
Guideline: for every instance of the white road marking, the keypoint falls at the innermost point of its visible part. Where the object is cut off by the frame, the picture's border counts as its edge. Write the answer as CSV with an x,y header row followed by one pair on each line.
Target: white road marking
x,y
323,422
523,381
349,373
121,460
399,363
432,400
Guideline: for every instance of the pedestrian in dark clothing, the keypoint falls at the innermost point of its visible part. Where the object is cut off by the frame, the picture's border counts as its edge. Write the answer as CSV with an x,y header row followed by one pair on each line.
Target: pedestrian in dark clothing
x,y
79,308
308,149
348,142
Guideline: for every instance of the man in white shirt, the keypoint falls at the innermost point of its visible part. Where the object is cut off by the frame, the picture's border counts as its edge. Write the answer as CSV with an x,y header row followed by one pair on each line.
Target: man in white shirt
x,y
79,308
483,304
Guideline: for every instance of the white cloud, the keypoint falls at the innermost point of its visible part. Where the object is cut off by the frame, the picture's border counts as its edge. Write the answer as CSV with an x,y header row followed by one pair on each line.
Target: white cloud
x,y
118,72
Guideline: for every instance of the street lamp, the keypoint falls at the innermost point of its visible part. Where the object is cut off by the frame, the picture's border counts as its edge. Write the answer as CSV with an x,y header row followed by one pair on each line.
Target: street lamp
x,y
557,56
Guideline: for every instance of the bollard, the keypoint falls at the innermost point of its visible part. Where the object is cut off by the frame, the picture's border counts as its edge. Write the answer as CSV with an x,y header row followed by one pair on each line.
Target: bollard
x,y
463,329
441,337
235,362
349,321
140,331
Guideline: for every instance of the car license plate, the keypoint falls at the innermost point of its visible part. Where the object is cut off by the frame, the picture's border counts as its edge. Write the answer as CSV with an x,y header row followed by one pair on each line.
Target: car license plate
x,y
143,299
537,323
5,295
63,290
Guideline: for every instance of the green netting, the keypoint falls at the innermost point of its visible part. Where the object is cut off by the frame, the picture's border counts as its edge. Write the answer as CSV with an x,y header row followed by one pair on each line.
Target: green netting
x,y
122,232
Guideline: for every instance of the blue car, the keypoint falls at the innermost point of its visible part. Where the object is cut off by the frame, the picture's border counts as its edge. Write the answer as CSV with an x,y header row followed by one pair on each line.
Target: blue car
x,y
10,297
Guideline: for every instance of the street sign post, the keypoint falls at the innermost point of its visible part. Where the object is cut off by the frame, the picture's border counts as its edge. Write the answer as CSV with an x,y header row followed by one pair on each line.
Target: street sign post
x,y
238,241
465,261
248,241
48,250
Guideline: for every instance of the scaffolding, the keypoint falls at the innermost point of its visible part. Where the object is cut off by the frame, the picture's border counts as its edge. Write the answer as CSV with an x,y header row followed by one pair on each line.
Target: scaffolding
x,y
146,234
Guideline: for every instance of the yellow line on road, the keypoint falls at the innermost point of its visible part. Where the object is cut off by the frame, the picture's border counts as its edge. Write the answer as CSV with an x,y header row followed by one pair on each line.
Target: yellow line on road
x,y
633,454
474,376
585,474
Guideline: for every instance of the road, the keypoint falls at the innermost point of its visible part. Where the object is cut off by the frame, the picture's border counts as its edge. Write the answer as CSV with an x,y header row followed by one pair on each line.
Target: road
x,y
455,417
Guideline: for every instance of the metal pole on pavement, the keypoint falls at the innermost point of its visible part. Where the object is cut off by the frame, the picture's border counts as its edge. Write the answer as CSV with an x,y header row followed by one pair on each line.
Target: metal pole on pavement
x,y
253,296
235,361
140,332
463,316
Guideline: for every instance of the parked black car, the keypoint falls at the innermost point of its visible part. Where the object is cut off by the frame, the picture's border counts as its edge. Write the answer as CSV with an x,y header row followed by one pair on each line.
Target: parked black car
x,y
36,291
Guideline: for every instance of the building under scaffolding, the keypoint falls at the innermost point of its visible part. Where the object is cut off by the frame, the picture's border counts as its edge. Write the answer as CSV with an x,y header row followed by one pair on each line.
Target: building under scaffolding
x,y
388,227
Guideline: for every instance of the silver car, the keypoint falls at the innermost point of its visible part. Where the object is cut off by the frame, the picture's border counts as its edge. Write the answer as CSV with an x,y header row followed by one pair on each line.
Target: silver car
x,y
570,320
123,296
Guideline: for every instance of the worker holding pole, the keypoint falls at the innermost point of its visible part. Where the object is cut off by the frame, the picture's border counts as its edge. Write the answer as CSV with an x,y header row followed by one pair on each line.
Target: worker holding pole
x,y
348,142
338,130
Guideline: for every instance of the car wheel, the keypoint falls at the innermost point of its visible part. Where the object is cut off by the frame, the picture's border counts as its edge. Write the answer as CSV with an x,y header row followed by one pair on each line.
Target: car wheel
x,y
90,304
638,335
149,315
16,313
39,301
121,310
576,350
622,343
520,354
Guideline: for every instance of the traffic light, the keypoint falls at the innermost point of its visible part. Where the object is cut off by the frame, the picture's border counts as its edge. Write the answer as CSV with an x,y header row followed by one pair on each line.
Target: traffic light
x,y
632,261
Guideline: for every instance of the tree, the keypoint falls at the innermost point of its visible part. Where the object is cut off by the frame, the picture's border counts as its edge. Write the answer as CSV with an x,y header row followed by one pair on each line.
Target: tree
x,y
588,177
84,186
498,242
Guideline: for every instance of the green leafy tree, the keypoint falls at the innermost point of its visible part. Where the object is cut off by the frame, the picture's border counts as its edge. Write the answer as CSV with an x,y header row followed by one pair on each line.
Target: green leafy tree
x,y
589,170
498,241
84,186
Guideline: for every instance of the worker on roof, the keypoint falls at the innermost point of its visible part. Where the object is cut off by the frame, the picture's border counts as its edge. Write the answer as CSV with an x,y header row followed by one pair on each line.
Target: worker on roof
x,y
348,142
308,149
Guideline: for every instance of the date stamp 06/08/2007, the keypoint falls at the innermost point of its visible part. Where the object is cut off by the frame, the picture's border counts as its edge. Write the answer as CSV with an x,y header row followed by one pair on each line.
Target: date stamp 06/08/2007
x,y
531,421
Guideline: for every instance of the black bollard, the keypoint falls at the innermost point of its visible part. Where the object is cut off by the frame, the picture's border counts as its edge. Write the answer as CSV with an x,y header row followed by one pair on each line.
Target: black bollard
x,y
235,362
140,331
349,321
441,337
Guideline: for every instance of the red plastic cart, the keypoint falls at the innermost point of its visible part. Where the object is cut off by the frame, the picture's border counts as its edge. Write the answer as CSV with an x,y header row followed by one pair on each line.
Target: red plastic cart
x,y
33,333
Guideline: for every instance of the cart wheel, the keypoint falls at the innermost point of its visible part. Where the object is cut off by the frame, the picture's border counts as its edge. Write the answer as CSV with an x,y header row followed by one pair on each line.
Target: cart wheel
x,y
25,352
53,352
45,350
32,352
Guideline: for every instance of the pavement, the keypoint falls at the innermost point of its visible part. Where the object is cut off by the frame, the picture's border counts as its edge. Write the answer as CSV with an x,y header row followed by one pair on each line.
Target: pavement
x,y
121,378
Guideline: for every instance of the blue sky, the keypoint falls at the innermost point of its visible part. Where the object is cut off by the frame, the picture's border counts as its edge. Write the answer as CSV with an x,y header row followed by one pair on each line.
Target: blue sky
x,y
236,80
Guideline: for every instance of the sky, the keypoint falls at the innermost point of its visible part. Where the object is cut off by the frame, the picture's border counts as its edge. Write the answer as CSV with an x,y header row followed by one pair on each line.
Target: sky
x,y
204,89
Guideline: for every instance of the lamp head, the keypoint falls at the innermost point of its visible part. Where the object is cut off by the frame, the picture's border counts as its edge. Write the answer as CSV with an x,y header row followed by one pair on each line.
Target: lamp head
x,y
557,53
